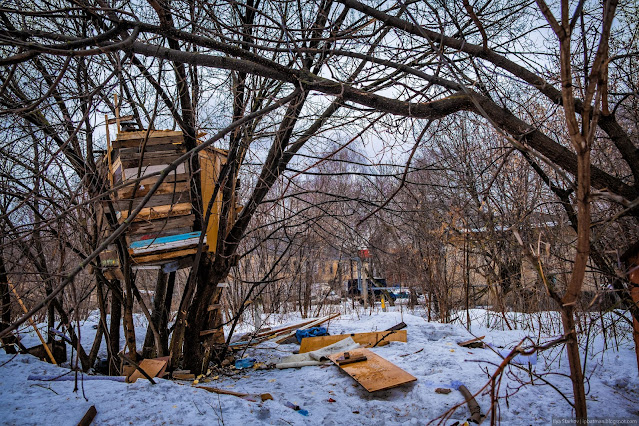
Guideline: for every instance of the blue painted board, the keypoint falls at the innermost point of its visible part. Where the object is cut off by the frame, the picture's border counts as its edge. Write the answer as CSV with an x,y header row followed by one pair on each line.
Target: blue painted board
x,y
164,240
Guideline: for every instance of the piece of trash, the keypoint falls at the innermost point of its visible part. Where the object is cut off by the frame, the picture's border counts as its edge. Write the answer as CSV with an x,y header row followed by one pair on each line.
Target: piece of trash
x,y
355,412
331,400
444,391
348,359
296,408
244,363
310,332
475,343
272,380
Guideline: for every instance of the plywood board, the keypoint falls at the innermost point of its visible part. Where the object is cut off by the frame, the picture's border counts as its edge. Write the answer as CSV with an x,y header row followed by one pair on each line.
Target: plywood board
x,y
152,367
375,373
367,339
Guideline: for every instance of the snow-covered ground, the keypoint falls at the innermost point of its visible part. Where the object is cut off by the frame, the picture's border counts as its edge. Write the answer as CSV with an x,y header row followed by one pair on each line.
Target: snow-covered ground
x,y
333,398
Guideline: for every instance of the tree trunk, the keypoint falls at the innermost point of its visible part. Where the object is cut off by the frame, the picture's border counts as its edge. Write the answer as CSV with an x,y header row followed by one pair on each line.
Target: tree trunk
x,y
163,326
574,361
200,350
114,330
159,299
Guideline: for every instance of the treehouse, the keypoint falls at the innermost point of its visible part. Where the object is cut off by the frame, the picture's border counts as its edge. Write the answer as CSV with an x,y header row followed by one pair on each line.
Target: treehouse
x,y
163,231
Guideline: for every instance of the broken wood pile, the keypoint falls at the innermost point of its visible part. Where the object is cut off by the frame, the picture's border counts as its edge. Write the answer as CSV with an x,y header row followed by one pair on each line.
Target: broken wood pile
x,y
281,334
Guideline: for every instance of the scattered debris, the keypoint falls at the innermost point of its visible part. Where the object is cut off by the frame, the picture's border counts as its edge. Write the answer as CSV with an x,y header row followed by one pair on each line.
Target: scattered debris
x,y
317,357
375,373
281,334
412,353
244,363
310,332
183,375
475,410
444,391
379,338
475,343
296,408
348,359
88,416
247,396
396,327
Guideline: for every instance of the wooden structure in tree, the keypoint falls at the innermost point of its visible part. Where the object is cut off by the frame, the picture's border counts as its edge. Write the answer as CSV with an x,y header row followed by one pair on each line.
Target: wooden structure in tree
x,y
163,231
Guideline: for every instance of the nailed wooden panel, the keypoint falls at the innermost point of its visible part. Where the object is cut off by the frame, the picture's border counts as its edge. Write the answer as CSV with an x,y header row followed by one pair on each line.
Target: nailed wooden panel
x,y
367,339
151,213
171,242
155,200
155,226
131,238
163,257
153,134
142,190
132,173
375,373
149,159
135,150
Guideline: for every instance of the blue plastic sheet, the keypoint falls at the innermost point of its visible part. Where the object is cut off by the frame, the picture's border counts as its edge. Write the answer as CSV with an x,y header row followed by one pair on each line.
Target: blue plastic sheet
x,y
310,332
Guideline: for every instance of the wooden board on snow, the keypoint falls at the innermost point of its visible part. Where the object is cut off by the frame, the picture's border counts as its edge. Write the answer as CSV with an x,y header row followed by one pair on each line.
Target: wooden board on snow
x,y
152,367
366,339
375,373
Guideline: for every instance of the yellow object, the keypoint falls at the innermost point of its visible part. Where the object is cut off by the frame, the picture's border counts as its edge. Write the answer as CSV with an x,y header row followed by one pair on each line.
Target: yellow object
x,y
211,161
33,324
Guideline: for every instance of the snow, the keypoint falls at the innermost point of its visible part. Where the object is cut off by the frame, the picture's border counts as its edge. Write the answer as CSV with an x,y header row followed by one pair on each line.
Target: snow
x,y
431,354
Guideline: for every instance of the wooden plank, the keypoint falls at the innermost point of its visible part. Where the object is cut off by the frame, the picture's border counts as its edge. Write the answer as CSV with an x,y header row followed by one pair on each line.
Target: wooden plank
x,y
211,165
88,417
367,339
161,225
131,238
165,243
149,159
152,367
375,373
159,212
162,257
166,147
132,173
153,134
313,324
154,201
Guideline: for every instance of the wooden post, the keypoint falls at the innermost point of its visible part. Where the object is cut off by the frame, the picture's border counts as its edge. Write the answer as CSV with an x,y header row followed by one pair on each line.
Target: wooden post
x,y
33,324
108,137
117,112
